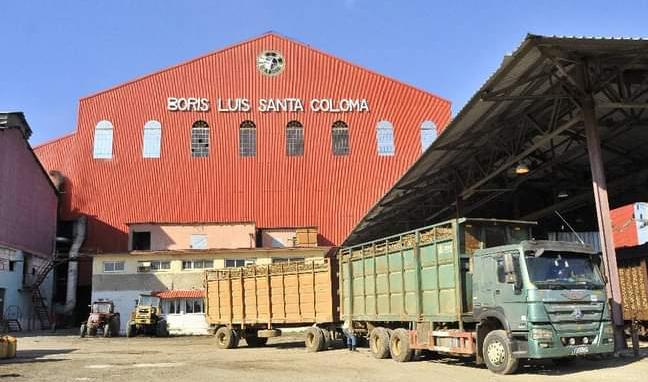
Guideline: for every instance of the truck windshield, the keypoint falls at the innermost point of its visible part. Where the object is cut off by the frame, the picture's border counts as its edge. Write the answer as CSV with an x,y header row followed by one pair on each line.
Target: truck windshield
x,y
562,270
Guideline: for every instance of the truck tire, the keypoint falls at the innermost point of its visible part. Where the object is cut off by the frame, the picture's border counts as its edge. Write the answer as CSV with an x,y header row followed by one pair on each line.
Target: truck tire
x,y
399,346
83,330
226,338
314,340
497,353
255,342
107,330
379,343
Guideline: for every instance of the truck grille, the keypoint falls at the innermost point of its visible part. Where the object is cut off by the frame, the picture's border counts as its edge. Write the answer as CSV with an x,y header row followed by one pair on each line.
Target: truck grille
x,y
577,317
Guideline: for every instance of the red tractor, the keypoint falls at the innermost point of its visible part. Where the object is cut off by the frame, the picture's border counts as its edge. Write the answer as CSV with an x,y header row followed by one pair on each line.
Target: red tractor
x,y
102,318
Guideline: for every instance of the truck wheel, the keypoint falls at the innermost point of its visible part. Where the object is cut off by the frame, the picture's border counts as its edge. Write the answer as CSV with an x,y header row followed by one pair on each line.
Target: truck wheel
x,y
314,340
225,338
82,331
497,353
399,346
255,342
379,343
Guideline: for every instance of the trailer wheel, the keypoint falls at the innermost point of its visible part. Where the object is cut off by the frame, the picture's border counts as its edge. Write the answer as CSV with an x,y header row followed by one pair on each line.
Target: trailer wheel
x,y
314,340
328,339
497,353
82,331
255,342
399,346
379,343
226,338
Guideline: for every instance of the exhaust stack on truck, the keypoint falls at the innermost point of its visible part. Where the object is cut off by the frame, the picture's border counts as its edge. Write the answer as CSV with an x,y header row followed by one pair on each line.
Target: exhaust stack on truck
x,y
465,287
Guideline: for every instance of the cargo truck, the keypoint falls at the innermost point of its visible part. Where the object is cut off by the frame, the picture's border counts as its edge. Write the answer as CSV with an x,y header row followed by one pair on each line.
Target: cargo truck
x,y
465,287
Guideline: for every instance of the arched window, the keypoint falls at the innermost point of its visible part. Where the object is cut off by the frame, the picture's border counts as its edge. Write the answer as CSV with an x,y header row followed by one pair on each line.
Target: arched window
x,y
103,140
200,139
152,139
428,134
247,139
385,138
340,136
294,139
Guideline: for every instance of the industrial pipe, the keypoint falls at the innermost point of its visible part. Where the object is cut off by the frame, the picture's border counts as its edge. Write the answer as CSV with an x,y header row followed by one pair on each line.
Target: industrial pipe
x,y
73,267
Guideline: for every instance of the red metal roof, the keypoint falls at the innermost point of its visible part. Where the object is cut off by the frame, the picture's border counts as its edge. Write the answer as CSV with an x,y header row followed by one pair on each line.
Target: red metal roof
x,y
193,293
271,189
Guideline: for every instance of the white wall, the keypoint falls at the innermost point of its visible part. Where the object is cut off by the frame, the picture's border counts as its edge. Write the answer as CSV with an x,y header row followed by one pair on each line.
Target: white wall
x,y
187,324
12,283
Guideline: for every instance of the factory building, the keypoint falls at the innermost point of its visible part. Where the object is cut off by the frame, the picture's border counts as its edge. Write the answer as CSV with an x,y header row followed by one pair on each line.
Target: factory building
x,y
28,205
269,132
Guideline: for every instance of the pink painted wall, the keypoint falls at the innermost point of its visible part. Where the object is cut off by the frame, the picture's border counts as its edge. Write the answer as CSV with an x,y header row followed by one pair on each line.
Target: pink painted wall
x,y
177,236
28,201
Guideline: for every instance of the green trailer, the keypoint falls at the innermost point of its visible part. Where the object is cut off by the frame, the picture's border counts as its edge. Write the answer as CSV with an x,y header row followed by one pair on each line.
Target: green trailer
x,y
475,287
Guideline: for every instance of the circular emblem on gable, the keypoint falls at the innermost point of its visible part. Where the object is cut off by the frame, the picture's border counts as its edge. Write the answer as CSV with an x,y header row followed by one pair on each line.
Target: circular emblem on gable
x,y
270,62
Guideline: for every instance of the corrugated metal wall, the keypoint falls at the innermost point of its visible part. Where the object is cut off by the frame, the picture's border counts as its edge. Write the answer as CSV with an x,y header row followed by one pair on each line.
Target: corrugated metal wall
x,y
27,199
272,189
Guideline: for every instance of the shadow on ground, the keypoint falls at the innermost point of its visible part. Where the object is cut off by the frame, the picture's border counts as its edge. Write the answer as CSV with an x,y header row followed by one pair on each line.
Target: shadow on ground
x,y
541,367
36,356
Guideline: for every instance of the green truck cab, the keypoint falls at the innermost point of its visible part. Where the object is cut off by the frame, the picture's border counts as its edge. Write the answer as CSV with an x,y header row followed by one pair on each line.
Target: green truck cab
x,y
475,287
547,296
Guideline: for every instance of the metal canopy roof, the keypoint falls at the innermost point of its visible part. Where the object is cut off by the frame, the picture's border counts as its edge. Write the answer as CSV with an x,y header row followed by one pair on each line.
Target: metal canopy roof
x,y
529,111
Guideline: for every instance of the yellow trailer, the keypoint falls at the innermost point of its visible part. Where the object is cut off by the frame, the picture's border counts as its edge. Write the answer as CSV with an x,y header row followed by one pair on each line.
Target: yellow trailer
x,y
255,302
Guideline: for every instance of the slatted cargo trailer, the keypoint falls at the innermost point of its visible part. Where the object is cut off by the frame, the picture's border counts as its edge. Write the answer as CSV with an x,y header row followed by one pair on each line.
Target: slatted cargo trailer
x,y
633,276
256,302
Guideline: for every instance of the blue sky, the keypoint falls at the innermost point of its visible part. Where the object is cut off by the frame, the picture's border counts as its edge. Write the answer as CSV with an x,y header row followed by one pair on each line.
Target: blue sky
x,y
55,52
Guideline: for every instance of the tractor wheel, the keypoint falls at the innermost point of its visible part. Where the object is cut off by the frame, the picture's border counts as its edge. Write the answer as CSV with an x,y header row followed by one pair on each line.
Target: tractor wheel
x,y
131,330
226,338
255,342
314,340
107,330
116,325
83,330
399,346
379,343
161,329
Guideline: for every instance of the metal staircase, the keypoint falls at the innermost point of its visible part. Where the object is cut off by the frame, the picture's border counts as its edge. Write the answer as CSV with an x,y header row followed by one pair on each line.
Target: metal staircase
x,y
11,319
39,303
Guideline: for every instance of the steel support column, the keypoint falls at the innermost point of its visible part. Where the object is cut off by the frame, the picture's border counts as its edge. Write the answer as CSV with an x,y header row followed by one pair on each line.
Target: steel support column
x,y
604,222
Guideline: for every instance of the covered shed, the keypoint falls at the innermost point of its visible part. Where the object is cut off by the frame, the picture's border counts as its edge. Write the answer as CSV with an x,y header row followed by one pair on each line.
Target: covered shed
x,y
560,126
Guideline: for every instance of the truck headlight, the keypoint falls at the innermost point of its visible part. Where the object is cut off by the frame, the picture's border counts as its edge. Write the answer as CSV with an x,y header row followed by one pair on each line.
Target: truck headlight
x,y
608,331
541,334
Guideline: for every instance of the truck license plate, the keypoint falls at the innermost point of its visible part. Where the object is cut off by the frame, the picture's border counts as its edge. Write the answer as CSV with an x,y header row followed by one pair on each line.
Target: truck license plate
x,y
582,349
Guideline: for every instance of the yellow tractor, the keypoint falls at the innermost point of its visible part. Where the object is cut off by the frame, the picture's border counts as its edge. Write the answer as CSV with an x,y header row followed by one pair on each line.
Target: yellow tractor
x,y
147,318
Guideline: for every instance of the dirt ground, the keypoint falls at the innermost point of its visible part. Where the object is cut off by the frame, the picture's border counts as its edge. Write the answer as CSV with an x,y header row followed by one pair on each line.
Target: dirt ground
x,y
69,358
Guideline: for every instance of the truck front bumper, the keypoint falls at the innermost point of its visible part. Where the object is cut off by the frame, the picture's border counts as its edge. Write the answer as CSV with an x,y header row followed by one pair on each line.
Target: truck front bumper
x,y
559,346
